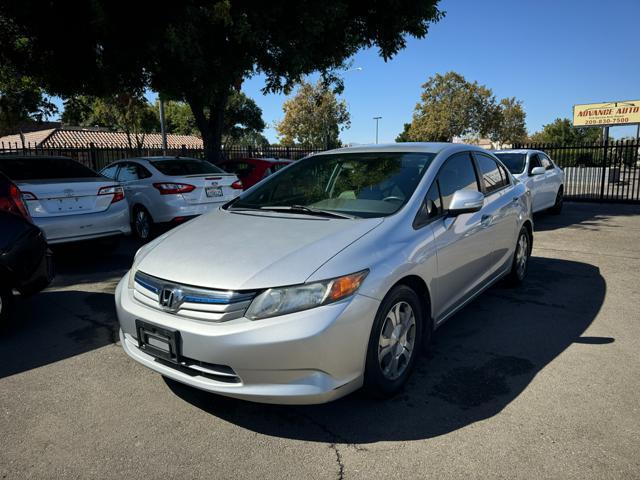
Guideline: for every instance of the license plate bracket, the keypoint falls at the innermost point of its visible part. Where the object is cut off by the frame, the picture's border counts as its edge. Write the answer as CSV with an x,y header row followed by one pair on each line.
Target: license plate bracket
x,y
158,341
213,191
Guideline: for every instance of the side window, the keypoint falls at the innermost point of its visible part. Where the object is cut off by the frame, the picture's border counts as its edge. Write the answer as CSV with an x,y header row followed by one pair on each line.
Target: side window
x,y
534,162
142,172
110,171
546,163
431,208
128,172
492,176
505,174
456,174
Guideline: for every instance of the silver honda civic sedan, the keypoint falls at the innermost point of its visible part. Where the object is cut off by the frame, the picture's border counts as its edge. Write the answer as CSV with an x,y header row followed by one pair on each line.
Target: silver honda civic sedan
x,y
328,276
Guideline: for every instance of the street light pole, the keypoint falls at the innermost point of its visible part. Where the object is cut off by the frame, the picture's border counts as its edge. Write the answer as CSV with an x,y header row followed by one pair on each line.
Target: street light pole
x,y
377,119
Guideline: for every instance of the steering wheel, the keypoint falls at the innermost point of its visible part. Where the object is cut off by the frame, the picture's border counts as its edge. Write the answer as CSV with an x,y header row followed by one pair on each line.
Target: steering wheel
x,y
392,199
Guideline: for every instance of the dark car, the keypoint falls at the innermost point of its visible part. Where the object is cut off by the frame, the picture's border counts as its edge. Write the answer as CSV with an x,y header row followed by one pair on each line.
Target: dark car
x,y
251,170
25,261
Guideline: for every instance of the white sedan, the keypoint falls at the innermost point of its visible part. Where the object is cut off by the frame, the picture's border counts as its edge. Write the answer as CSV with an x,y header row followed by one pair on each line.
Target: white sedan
x,y
540,174
171,190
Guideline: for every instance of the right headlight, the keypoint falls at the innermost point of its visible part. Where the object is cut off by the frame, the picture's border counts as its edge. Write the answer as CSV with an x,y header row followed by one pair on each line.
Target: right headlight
x,y
283,300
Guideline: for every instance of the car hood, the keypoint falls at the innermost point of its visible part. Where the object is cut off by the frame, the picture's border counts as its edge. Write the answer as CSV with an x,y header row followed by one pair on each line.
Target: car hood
x,y
250,250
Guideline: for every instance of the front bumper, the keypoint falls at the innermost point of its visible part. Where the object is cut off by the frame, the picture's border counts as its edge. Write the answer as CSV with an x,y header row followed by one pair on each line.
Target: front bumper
x,y
307,357
71,228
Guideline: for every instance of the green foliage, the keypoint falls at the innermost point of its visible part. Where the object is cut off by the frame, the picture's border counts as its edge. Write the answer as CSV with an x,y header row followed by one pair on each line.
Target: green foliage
x,y
451,107
313,117
404,136
22,101
195,51
129,113
562,132
510,126
178,118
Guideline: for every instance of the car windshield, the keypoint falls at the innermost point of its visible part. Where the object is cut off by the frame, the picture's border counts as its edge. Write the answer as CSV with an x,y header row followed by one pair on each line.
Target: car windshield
x,y
43,168
354,184
513,161
185,166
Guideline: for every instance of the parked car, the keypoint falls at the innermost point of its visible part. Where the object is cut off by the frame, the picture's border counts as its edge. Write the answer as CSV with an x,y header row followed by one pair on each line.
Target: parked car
x,y
68,201
25,261
540,174
251,170
171,190
330,275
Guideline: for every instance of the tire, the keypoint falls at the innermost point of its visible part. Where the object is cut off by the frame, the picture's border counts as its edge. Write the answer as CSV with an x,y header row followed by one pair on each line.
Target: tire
x,y
521,255
142,224
386,374
6,301
557,207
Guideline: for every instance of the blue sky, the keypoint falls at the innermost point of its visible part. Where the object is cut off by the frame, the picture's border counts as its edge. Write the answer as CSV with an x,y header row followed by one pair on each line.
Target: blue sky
x,y
549,54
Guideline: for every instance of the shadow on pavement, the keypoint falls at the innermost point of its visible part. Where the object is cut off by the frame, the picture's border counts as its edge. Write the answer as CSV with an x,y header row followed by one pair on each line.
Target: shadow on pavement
x,y
55,325
585,216
481,360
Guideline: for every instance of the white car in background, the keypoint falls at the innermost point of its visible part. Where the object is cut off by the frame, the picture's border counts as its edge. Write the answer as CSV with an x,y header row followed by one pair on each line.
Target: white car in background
x,y
540,174
171,190
68,201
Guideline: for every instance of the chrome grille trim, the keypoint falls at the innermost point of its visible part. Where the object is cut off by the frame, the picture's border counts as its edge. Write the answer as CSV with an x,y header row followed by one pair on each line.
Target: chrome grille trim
x,y
192,302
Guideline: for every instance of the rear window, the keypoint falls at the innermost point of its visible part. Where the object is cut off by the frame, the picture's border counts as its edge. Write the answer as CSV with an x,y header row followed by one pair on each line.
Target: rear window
x,y
47,168
513,161
184,166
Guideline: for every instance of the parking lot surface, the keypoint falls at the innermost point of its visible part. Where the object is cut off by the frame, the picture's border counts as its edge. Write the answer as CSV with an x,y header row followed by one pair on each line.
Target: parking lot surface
x,y
536,382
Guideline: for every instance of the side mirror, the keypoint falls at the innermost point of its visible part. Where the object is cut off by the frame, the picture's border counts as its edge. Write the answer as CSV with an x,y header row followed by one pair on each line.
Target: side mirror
x,y
537,171
465,201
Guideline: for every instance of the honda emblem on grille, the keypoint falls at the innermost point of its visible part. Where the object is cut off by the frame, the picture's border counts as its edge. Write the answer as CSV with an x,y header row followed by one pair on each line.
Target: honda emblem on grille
x,y
170,299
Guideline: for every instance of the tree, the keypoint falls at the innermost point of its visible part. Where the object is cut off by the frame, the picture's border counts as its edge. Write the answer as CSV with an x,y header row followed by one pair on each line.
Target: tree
x,y
562,132
404,136
243,121
198,51
510,125
313,117
129,113
22,101
452,107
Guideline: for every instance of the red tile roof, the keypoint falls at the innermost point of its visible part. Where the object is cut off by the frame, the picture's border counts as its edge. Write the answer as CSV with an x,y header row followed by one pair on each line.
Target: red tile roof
x,y
54,137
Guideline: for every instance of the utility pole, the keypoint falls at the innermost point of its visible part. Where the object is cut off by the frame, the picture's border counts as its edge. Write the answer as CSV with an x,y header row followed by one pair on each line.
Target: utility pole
x,y
377,119
163,130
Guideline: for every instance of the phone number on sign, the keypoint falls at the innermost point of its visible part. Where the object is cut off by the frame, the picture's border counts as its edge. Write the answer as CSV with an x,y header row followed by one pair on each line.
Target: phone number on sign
x,y
607,121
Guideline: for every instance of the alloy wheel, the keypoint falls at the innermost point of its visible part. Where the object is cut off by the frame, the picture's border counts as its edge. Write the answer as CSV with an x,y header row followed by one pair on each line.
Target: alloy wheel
x,y
397,340
143,224
522,254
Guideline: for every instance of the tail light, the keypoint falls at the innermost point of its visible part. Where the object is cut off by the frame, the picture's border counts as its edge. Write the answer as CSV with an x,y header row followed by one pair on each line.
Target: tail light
x,y
14,202
237,185
173,188
115,190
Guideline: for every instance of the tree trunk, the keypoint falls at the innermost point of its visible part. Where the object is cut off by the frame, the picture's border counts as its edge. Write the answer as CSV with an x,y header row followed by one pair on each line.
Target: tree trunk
x,y
211,126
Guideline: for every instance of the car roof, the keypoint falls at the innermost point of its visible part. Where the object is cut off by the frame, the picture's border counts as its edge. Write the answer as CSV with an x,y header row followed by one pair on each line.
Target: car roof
x,y
404,147
258,159
517,150
159,158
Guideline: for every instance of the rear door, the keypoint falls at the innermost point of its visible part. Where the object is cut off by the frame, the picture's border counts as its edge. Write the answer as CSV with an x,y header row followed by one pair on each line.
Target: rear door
x,y
500,211
552,181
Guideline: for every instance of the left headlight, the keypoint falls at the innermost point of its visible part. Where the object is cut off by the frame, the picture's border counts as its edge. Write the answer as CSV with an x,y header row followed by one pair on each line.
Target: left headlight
x,y
280,301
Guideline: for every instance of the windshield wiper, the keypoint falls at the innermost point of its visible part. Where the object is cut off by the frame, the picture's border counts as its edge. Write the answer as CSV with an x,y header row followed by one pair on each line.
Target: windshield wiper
x,y
303,209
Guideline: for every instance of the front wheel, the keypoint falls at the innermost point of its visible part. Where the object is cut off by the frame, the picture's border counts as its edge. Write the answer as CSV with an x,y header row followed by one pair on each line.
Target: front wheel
x,y
395,339
520,258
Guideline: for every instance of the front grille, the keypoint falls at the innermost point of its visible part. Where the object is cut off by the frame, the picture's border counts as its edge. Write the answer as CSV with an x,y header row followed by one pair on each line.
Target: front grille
x,y
191,302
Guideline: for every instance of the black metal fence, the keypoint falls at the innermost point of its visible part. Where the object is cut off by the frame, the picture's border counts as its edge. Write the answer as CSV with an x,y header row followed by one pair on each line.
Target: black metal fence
x,y
604,172
98,156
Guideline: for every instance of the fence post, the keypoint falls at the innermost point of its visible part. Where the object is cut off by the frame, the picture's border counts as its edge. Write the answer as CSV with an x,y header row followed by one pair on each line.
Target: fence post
x,y
605,132
93,155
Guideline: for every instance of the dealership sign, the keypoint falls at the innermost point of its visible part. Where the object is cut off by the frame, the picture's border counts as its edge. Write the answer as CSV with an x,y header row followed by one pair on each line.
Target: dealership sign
x,y
604,114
